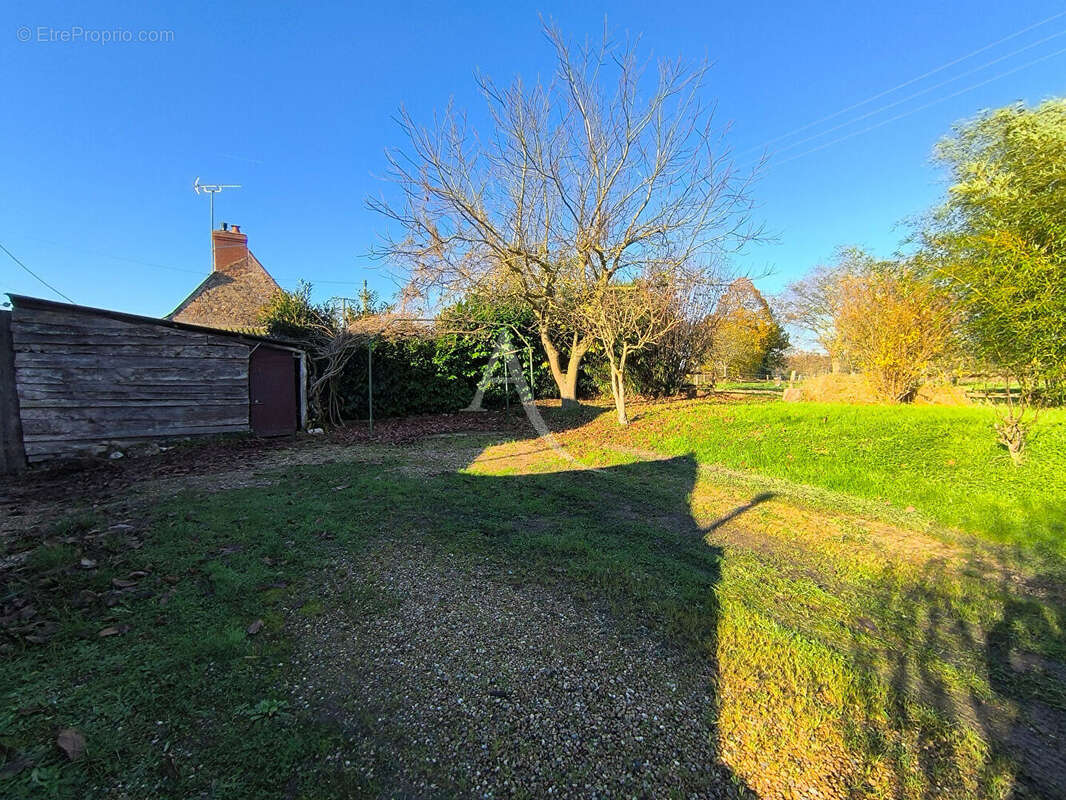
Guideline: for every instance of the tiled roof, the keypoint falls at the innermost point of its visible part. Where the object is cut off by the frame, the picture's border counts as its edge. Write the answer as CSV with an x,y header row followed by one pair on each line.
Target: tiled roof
x,y
232,298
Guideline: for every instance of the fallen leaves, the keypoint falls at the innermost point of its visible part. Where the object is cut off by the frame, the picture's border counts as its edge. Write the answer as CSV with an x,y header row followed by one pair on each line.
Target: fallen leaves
x,y
41,635
71,743
84,598
15,765
113,630
130,580
168,768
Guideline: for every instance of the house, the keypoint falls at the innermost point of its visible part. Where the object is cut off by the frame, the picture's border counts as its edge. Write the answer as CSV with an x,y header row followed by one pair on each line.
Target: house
x,y
78,381
236,292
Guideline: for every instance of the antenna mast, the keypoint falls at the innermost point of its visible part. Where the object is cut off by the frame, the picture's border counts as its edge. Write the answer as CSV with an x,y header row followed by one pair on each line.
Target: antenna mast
x,y
211,189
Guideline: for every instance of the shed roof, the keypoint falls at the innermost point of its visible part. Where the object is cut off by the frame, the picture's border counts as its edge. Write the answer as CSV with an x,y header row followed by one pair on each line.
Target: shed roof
x,y
24,301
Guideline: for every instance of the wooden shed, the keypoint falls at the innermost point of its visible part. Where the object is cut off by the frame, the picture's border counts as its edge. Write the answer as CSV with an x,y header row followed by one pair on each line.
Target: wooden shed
x,y
78,381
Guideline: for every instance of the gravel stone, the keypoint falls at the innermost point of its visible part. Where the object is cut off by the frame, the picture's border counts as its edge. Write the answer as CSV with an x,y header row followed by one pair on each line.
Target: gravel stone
x,y
447,679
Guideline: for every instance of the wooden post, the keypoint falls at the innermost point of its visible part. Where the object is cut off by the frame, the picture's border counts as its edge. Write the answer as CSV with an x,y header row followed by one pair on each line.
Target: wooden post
x,y
303,391
12,451
370,381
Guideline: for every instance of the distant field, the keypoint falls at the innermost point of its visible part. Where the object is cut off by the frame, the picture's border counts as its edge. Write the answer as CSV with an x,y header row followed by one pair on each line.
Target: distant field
x,y
942,461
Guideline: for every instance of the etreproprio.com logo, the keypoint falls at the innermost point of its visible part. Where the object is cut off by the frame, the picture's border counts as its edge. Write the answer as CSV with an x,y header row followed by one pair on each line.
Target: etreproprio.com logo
x,y
78,34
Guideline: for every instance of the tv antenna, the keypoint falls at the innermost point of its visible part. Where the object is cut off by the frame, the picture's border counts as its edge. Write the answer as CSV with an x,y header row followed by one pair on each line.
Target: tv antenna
x,y
211,189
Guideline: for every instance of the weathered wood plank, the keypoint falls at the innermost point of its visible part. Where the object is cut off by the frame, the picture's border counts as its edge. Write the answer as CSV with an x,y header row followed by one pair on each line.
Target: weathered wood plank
x,y
206,370
46,449
12,452
34,418
29,333
156,349
58,339
132,429
86,379
90,320
164,402
235,391
109,360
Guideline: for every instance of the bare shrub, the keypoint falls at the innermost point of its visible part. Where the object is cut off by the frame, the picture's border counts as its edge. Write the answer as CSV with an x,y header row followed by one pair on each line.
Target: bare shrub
x,y
942,394
858,389
833,388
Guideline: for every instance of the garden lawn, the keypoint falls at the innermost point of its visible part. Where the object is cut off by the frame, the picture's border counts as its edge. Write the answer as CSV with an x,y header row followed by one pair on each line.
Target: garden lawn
x,y
854,654
943,462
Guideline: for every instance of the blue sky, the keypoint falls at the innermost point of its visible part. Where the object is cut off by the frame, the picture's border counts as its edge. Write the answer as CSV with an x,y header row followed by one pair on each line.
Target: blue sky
x,y
100,143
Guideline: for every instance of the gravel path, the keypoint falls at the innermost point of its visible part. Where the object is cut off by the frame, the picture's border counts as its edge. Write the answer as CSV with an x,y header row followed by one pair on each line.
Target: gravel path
x,y
448,681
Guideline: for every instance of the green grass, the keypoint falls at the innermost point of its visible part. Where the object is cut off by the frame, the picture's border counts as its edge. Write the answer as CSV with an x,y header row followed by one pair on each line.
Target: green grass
x,y
841,662
943,461
763,386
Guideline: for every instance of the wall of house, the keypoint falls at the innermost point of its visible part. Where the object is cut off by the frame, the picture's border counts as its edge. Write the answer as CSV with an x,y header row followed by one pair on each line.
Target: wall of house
x,y
87,381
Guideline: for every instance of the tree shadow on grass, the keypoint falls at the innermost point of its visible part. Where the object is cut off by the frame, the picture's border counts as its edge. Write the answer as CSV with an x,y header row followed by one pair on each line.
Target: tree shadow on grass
x,y
976,677
619,541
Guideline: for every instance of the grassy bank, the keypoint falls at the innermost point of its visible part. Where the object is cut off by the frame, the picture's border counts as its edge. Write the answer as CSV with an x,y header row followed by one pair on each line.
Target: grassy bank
x,y
942,461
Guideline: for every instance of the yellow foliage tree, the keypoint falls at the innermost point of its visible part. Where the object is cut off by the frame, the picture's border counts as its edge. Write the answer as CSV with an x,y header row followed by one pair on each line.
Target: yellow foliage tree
x,y
747,339
893,326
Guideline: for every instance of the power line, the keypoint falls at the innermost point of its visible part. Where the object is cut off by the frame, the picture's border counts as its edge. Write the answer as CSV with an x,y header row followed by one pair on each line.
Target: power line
x,y
102,254
169,268
34,274
920,92
906,83
922,107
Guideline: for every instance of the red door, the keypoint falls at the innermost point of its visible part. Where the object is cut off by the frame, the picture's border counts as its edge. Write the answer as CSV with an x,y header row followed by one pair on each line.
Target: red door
x,y
273,391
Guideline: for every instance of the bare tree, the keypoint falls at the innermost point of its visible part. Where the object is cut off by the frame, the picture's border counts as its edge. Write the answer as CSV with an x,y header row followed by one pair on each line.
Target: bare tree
x,y
626,318
811,303
582,181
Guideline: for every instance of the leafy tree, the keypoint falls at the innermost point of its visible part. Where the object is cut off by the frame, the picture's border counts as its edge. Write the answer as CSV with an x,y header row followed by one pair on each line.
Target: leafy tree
x,y
293,315
748,340
776,346
998,243
896,327
881,317
466,338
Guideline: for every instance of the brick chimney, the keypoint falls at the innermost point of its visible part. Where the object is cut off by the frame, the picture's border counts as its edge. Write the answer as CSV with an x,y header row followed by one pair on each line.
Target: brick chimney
x,y
230,248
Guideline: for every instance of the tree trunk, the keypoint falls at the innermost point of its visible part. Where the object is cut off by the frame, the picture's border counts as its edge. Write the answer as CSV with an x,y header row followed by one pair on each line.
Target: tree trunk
x,y
566,380
618,387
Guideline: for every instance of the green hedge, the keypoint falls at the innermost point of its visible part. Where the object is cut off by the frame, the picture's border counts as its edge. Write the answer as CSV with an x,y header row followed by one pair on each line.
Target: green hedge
x,y
417,375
